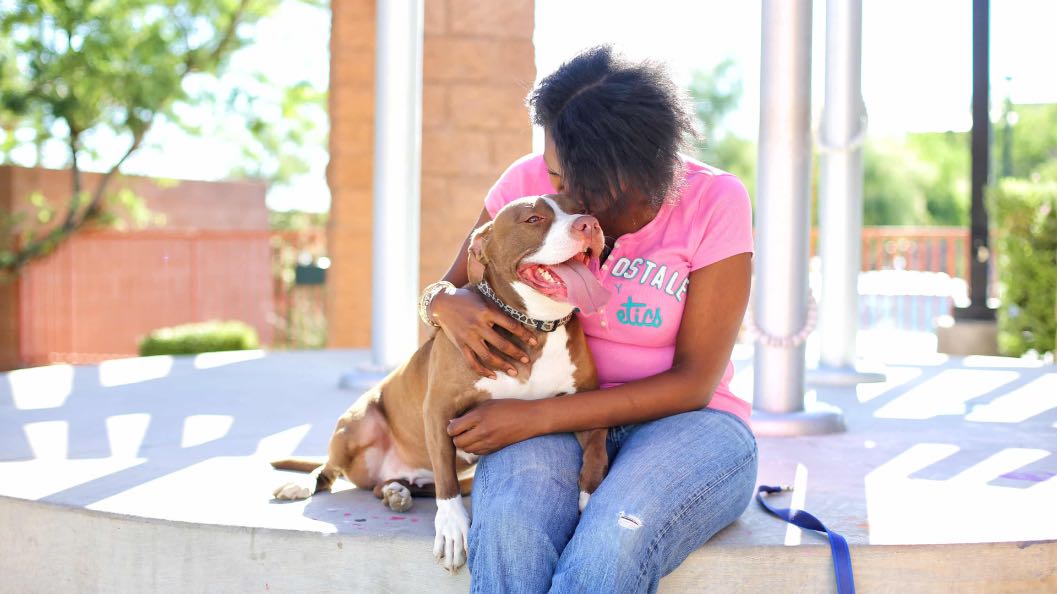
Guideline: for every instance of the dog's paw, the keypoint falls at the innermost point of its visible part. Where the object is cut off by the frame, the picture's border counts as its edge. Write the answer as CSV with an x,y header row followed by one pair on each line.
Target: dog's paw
x,y
584,498
452,525
293,490
397,497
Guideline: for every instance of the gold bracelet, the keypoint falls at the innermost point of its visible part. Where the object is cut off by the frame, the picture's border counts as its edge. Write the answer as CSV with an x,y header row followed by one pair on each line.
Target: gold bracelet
x,y
427,297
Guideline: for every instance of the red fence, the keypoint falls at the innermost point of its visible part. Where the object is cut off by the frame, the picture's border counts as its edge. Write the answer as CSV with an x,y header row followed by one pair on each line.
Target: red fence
x,y
912,275
936,249
926,249
101,291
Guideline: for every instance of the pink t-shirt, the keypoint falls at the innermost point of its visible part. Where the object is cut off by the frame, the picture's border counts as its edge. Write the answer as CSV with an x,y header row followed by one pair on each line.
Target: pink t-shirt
x,y
647,271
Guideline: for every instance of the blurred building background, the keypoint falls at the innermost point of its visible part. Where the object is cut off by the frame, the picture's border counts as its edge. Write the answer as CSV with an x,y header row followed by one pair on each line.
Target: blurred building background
x,y
275,229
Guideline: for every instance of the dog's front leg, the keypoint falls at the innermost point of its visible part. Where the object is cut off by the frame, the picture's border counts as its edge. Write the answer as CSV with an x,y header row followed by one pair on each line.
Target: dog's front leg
x,y
452,523
595,462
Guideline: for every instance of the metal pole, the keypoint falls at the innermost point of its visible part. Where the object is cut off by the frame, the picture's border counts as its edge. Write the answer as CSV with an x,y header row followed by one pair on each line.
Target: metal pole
x,y
980,252
395,204
780,307
841,136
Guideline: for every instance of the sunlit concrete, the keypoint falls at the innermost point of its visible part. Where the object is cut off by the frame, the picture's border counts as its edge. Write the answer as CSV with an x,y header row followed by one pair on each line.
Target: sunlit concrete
x,y
131,479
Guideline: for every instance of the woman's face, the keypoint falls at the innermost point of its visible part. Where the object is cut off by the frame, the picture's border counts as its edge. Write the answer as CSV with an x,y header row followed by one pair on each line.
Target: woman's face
x,y
550,157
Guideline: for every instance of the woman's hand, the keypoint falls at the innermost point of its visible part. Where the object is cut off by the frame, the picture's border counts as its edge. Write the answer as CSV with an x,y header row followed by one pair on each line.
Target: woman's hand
x,y
469,323
493,425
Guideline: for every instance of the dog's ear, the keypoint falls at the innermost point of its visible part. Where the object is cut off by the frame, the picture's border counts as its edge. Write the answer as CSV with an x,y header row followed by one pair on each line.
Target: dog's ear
x,y
475,258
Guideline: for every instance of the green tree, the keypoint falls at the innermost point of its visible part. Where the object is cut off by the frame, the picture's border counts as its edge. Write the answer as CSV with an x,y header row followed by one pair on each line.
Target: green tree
x,y
715,95
1026,212
922,179
295,220
1034,141
946,185
274,133
80,70
894,182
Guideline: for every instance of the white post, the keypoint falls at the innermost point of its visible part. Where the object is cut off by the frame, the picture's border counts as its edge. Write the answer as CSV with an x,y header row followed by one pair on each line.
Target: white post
x,y
841,183
781,304
397,158
840,195
841,136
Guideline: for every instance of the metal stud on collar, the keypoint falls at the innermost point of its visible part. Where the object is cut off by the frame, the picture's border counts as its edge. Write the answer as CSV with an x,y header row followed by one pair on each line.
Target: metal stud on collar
x,y
542,325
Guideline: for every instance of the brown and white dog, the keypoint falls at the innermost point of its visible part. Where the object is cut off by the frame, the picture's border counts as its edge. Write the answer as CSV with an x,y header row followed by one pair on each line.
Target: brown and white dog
x,y
536,255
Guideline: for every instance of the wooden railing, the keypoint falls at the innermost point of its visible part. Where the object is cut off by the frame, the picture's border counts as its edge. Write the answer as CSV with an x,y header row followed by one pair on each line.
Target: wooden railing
x,y
927,249
912,275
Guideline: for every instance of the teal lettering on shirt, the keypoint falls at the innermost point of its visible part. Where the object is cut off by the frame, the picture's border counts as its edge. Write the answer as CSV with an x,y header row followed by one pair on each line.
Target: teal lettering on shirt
x,y
638,314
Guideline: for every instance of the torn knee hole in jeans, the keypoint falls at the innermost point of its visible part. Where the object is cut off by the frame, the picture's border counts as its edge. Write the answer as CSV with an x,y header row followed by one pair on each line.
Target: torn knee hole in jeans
x,y
629,521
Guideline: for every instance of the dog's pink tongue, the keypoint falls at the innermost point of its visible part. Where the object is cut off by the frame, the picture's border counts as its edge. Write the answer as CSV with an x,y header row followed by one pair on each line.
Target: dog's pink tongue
x,y
585,292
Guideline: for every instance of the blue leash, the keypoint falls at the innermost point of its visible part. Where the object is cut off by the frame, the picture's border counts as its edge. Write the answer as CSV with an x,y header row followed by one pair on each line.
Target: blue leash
x,y
837,545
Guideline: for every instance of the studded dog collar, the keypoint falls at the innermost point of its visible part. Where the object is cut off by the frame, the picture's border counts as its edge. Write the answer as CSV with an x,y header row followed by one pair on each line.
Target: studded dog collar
x,y
543,325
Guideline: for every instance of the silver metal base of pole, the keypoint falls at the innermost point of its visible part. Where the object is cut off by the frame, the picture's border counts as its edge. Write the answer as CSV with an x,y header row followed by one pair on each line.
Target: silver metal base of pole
x,y
363,378
817,419
825,375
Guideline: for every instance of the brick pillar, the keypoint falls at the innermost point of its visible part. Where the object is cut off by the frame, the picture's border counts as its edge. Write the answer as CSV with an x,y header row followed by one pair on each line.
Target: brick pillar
x,y
478,66
349,172
10,355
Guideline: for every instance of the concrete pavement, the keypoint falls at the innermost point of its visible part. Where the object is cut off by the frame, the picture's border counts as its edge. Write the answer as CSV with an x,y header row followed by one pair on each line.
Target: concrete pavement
x,y
151,475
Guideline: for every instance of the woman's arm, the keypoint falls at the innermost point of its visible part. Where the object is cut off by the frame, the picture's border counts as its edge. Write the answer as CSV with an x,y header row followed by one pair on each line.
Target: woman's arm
x,y
470,323
715,305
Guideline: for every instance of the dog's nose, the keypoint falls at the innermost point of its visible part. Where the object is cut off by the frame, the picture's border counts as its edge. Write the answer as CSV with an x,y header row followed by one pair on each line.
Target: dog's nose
x,y
585,227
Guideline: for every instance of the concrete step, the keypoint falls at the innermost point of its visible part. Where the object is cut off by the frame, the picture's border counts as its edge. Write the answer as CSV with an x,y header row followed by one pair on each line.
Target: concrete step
x,y
56,548
151,475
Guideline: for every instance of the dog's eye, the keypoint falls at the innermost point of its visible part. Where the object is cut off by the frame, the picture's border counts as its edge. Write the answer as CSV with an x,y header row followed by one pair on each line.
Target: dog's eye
x,y
533,219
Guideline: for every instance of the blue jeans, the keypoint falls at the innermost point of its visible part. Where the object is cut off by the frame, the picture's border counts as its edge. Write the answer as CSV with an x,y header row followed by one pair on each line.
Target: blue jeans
x,y
672,484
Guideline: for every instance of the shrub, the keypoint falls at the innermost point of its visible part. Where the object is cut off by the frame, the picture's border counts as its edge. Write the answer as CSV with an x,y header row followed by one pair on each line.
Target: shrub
x,y
204,337
1025,215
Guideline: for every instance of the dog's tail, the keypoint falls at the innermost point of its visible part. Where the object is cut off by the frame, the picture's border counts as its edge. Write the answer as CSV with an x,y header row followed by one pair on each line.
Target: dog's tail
x,y
298,464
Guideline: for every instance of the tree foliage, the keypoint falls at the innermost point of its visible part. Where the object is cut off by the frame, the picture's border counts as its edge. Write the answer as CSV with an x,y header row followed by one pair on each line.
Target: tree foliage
x,y
1030,154
715,95
1033,142
893,181
919,179
80,71
273,133
946,185
1026,214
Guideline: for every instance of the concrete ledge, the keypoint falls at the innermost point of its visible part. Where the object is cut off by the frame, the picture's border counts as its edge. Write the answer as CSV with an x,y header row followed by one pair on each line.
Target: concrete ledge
x,y
63,549
151,476
74,550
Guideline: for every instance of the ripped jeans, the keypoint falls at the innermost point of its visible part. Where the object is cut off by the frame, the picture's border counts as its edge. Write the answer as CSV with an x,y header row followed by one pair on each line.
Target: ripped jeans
x,y
672,484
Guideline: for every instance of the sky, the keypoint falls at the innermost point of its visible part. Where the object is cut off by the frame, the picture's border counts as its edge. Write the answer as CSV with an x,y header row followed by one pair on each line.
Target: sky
x,y
917,54
917,71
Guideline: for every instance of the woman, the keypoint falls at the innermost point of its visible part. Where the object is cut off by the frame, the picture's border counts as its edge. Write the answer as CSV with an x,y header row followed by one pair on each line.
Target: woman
x,y
678,262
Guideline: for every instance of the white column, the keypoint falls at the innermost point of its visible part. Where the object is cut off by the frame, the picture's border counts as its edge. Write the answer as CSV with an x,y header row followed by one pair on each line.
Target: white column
x,y
840,142
780,307
783,201
841,183
397,158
